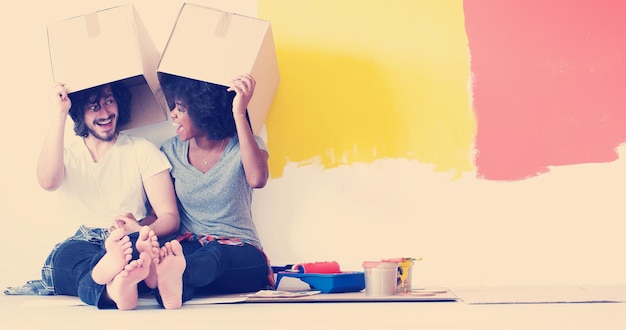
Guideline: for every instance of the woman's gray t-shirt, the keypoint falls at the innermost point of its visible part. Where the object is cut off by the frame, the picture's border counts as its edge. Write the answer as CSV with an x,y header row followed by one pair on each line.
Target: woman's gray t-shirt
x,y
217,202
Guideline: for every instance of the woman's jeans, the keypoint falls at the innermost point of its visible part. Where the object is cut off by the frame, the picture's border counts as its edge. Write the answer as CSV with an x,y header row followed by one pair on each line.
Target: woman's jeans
x,y
215,268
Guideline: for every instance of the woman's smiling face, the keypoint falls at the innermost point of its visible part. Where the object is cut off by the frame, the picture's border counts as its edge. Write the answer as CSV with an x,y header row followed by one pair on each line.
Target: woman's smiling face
x,y
180,116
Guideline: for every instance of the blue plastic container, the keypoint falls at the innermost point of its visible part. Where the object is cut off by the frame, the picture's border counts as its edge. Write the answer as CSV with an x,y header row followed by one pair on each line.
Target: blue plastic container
x,y
329,283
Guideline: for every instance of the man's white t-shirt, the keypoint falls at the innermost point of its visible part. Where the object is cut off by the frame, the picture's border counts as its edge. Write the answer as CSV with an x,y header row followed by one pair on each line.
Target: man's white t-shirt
x,y
92,194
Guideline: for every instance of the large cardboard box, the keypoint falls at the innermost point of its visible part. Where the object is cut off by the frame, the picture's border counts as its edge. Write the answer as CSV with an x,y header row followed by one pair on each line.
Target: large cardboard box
x,y
216,46
105,46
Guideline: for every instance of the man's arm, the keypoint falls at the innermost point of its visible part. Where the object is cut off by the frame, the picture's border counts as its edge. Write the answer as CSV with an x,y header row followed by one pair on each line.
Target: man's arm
x,y
149,219
50,167
160,191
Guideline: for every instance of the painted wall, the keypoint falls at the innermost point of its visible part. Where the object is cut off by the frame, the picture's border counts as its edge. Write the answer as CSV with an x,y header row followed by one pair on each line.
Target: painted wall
x,y
364,82
456,131
481,135
549,93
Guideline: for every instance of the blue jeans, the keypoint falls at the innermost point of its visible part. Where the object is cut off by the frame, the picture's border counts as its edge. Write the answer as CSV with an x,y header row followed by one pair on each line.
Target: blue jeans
x,y
212,268
215,268
72,261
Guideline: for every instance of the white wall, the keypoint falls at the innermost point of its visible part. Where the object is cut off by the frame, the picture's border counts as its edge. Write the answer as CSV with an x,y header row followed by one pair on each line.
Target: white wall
x,y
566,227
563,227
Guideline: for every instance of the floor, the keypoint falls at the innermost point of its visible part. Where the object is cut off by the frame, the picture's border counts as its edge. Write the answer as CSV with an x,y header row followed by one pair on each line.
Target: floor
x,y
33,312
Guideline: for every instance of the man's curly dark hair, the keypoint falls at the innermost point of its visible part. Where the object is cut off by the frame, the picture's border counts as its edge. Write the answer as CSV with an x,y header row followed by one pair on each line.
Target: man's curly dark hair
x,y
209,105
122,96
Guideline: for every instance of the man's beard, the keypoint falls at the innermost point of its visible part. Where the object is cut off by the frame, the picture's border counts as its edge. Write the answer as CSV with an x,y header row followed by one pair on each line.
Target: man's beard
x,y
107,136
103,137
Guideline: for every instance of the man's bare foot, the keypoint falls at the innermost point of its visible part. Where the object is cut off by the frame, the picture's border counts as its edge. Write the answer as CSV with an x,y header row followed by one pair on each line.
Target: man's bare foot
x,y
119,252
148,242
123,288
170,275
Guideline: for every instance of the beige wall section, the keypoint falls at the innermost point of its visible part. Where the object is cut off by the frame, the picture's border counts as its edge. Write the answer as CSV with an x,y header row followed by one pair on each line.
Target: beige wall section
x,y
564,227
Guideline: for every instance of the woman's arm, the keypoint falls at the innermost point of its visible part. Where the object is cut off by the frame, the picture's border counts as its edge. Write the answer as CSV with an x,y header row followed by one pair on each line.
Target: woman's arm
x,y
254,158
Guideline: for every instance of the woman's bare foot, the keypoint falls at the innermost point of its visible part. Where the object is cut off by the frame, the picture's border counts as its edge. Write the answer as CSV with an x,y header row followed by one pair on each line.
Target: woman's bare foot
x,y
148,242
123,288
170,274
119,252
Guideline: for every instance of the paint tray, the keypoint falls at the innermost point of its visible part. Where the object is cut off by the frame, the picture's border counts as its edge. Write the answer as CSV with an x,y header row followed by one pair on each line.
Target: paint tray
x,y
329,283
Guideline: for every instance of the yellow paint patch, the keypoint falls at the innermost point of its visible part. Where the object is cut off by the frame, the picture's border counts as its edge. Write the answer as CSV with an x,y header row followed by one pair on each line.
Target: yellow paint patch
x,y
362,81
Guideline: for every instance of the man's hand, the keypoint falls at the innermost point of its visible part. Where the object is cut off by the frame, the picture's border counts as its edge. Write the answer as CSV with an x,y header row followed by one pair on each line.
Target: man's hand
x,y
59,99
127,222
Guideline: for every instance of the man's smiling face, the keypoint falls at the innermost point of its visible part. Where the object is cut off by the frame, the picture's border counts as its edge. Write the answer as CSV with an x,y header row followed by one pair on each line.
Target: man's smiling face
x,y
101,115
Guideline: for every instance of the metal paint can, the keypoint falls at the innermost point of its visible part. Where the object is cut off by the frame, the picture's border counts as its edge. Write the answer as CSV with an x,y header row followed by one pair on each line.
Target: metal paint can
x,y
405,274
380,278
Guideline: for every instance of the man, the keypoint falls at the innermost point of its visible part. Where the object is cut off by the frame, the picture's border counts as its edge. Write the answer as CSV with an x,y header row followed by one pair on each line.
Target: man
x,y
107,180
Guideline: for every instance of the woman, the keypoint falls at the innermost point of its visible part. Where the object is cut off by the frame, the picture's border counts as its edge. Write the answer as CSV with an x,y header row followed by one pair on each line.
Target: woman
x,y
216,163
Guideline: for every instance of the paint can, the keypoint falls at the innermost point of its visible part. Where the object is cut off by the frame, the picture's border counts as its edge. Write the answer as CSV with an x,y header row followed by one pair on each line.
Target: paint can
x,y
405,274
380,278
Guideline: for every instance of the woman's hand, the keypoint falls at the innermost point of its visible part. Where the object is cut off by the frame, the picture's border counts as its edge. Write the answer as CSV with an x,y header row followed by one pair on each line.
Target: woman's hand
x,y
244,87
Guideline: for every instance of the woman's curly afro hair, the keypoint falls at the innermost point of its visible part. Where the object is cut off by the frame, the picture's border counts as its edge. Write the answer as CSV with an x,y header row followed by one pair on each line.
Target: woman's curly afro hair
x,y
209,105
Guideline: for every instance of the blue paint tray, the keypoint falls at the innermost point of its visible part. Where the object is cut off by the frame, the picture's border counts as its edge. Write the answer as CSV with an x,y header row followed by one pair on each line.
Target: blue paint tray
x,y
329,283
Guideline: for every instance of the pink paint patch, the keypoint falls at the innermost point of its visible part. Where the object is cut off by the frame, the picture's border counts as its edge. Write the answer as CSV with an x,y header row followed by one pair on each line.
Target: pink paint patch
x,y
549,83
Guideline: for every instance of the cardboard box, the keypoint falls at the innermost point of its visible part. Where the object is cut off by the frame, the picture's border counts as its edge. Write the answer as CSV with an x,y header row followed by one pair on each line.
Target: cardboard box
x,y
216,46
106,46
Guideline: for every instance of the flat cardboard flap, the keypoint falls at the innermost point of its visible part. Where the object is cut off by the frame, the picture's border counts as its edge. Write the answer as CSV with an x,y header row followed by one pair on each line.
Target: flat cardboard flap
x,y
105,46
216,46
